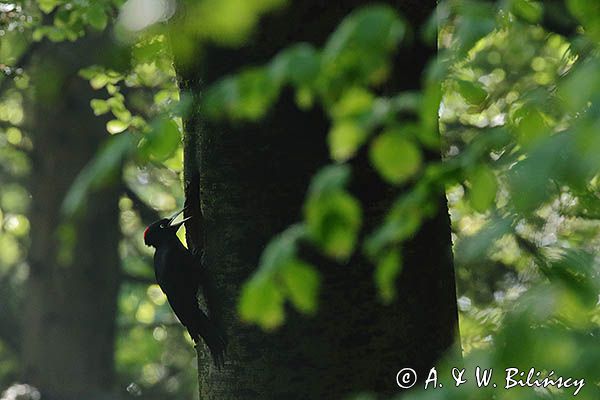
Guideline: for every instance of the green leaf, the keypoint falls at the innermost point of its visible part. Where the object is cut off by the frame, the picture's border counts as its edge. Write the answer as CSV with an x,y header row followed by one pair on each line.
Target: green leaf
x,y
162,141
333,221
588,12
477,19
305,98
402,221
298,65
574,268
279,274
47,6
388,269
261,302
99,80
395,157
372,27
246,96
358,51
474,248
96,16
329,179
116,126
101,170
53,33
90,72
580,85
428,131
302,283
472,92
344,139
220,99
482,192
530,181
354,103
257,91
99,106
531,125
280,250
530,11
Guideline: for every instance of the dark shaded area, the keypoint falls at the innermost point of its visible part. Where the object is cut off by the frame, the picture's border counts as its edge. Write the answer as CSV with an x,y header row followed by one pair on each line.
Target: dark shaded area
x,y
69,322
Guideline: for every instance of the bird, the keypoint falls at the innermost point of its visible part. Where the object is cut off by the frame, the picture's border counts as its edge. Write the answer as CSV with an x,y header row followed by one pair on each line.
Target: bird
x,y
180,277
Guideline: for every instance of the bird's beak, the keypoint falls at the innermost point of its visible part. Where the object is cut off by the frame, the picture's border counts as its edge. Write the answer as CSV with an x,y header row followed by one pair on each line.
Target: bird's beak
x,y
174,216
177,225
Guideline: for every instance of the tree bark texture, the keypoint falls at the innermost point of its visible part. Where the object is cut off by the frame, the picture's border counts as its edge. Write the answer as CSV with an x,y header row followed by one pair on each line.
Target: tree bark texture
x,y
253,179
71,301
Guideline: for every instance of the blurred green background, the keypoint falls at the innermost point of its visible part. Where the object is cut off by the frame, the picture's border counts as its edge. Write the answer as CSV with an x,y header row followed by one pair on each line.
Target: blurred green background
x,y
519,85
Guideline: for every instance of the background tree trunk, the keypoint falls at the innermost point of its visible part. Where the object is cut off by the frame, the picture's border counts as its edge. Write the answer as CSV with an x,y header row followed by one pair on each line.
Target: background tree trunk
x,y
253,180
70,306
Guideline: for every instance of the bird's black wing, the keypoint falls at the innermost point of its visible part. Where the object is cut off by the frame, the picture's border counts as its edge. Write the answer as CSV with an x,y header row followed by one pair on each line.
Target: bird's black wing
x,y
186,308
182,281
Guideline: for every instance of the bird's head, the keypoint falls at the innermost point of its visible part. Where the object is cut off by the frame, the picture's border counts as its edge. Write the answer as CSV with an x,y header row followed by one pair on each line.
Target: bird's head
x,y
163,230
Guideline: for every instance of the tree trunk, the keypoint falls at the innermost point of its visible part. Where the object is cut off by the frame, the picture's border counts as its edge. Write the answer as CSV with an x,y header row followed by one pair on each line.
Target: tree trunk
x,y
70,306
253,179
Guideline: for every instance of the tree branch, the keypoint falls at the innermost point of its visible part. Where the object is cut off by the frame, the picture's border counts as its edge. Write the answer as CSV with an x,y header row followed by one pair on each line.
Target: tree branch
x,y
147,213
131,325
142,280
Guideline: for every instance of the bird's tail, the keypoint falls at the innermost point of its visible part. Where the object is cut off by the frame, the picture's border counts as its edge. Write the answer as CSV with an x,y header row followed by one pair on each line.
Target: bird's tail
x,y
213,337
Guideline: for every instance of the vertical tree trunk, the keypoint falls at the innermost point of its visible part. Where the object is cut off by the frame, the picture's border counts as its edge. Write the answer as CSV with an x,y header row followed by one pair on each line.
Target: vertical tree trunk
x,y
70,306
253,180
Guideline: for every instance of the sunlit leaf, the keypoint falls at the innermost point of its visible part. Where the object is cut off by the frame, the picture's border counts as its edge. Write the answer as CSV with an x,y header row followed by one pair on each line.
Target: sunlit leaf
x,y
388,269
530,11
48,5
333,216
301,281
354,103
280,251
482,191
162,141
256,93
96,16
344,139
298,65
116,126
261,302
99,106
395,157
333,221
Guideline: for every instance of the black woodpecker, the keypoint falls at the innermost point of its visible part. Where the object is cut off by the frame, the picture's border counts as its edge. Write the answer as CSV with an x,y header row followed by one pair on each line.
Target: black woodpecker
x,y
179,275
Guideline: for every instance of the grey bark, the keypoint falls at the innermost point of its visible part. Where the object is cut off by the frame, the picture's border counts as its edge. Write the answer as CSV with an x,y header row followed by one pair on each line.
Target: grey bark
x,y
252,180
